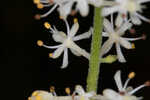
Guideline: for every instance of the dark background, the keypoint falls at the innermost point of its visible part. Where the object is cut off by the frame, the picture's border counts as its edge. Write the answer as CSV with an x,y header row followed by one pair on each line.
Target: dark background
x,y
27,65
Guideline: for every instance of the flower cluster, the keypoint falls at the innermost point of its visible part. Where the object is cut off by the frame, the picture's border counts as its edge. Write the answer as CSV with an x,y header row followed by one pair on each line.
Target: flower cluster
x,y
78,94
113,30
125,92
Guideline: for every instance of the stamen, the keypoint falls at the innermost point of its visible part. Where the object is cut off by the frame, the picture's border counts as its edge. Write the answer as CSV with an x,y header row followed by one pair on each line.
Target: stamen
x,y
47,25
29,98
133,46
136,89
37,16
37,98
52,89
67,90
75,20
40,43
36,1
61,17
131,75
147,83
40,6
50,55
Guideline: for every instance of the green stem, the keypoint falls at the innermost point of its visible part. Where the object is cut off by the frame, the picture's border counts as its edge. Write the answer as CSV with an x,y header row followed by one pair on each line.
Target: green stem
x,y
94,64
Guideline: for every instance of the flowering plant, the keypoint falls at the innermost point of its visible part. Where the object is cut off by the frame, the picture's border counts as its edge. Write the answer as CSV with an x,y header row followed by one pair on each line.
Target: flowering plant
x,y
128,14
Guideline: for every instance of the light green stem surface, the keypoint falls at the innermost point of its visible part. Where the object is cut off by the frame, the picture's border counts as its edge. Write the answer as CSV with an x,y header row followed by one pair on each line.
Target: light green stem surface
x,y
94,64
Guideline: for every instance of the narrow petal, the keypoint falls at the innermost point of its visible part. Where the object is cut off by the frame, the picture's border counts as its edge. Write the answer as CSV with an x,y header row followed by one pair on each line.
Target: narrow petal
x,y
119,20
75,52
108,27
123,42
80,50
96,3
135,20
65,58
143,18
117,78
109,10
83,7
105,34
74,29
111,95
82,36
64,10
58,52
119,54
142,1
127,25
106,47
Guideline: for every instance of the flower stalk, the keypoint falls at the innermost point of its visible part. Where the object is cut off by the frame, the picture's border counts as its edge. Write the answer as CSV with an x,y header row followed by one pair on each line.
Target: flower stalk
x,y
94,64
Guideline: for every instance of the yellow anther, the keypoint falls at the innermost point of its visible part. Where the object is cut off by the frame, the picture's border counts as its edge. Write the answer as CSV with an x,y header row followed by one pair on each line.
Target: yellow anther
x,y
40,6
40,43
133,46
47,25
36,1
75,20
61,17
131,75
29,98
37,98
50,54
52,89
67,90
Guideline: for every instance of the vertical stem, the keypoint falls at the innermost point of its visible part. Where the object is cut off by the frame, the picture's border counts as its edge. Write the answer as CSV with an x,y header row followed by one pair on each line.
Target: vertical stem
x,y
94,67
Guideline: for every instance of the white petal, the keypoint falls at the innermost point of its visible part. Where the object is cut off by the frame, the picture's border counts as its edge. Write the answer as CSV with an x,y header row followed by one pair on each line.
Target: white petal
x,y
123,42
105,34
109,10
108,27
143,1
135,20
128,89
83,7
80,50
65,58
59,37
75,52
90,94
82,36
64,10
123,28
119,54
96,3
119,20
58,52
111,95
143,18
117,78
106,47
74,29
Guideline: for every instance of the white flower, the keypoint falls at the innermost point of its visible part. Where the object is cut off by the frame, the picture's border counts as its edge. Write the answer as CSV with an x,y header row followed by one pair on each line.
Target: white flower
x,y
67,42
115,37
125,93
53,4
41,95
125,7
82,95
